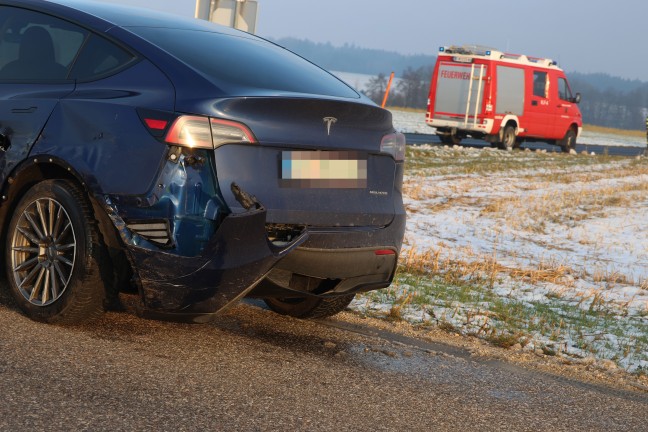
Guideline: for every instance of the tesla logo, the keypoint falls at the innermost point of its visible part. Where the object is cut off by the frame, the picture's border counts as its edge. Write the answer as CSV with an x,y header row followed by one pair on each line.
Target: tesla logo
x,y
329,122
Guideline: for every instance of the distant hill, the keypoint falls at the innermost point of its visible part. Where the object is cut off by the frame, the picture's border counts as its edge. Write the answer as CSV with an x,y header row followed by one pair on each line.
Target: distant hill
x,y
351,58
604,82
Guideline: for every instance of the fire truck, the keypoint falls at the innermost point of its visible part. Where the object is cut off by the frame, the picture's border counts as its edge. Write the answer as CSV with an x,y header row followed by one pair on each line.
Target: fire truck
x,y
505,99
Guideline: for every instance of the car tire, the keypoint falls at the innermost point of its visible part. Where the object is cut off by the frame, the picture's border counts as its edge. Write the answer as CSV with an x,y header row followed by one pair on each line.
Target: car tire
x,y
53,252
309,307
508,138
568,143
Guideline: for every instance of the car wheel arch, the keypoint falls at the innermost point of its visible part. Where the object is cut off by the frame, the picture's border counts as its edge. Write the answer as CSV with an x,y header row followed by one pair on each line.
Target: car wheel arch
x,y
43,167
34,170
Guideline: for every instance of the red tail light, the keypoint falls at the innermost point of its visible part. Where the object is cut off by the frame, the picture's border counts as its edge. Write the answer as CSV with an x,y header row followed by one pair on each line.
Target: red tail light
x,y
156,124
385,252
394,144
204,132
195,131
190,131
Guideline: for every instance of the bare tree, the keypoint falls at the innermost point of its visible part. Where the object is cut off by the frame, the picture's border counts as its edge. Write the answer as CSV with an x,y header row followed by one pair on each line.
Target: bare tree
x,y
375,88
413,87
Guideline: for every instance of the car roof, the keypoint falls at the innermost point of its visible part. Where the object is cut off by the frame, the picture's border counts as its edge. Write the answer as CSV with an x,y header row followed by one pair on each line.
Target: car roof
x,y
130,25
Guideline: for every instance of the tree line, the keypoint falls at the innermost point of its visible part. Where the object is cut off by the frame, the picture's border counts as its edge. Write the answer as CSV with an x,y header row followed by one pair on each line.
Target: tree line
x,y
612,107
606,100
411,91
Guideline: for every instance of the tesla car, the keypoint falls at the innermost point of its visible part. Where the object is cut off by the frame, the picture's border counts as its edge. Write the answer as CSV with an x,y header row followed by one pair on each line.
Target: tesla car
x,y
188,163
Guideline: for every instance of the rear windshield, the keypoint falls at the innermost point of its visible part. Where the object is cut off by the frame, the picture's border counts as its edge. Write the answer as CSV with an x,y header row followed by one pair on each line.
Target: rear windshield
x,y
242,61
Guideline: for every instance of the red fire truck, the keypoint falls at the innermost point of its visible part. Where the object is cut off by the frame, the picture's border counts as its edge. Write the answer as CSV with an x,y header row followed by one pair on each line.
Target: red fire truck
x,y
505,99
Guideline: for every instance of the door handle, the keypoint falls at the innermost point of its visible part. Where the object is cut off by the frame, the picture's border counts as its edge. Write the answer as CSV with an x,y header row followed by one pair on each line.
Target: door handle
x,y
534,103
29,110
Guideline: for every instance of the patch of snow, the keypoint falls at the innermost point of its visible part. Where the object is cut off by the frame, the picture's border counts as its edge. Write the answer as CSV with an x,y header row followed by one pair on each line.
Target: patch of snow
x,y
603,246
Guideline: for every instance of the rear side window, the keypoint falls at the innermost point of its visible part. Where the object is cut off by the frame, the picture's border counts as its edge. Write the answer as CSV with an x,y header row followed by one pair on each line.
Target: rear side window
x,y
239,62
35,46
99,57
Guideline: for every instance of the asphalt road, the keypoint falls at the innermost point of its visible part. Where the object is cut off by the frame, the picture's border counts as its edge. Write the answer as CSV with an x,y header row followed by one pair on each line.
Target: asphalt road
x,y
254,371
418,139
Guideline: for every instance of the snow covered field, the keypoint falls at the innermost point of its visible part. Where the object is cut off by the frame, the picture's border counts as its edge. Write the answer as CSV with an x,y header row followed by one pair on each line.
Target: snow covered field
x,y
538,251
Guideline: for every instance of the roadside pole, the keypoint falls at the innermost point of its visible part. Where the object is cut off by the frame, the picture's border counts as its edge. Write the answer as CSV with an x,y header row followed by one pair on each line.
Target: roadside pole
x,y
389,83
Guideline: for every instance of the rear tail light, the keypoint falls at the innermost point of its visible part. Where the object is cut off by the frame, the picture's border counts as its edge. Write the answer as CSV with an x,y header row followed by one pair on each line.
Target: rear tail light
x,y
190,131
394,144
194,131
225,131
203,132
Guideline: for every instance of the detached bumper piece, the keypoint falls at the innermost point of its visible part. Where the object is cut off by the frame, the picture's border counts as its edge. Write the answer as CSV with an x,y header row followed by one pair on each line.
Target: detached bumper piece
x,y
195,289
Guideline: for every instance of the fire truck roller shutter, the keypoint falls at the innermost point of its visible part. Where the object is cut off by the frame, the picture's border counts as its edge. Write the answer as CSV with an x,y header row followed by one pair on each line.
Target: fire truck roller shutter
x,y
510,90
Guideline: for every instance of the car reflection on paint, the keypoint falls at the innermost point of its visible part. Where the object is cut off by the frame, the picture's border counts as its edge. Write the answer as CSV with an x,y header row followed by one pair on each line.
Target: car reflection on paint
x,y
186,162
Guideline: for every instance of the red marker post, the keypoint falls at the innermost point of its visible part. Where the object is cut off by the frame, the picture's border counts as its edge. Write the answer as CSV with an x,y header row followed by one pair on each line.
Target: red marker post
x,y
391,78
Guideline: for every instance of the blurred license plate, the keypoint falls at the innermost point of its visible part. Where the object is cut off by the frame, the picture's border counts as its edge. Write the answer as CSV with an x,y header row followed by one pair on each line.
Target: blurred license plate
x,y
323,169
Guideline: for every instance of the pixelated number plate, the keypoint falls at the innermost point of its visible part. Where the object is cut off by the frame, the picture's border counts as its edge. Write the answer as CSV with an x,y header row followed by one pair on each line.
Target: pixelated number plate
x,y
323,169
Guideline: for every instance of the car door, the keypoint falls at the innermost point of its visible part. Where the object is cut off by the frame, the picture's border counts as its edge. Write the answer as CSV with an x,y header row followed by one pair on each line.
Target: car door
x,y
36,53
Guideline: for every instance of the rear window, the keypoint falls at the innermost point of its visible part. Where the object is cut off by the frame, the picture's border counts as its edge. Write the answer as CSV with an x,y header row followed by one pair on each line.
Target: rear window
x,y
245,62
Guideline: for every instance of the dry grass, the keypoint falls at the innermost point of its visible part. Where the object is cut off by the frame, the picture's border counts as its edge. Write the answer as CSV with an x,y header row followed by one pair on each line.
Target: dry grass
x,y
532,212
613,131
593,174
416,190
439,262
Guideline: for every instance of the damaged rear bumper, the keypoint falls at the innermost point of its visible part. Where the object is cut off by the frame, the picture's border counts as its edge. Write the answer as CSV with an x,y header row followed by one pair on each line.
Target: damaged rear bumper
x,y
194,289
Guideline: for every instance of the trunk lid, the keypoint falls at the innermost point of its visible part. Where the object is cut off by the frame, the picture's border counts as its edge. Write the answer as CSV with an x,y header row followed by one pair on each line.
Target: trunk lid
x,y
317,161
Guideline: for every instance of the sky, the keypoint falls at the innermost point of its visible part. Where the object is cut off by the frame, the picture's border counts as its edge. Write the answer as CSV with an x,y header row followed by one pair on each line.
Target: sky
x,y
587,36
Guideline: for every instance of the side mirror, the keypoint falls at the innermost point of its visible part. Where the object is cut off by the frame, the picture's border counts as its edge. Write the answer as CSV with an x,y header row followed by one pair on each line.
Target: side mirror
x,y
577,99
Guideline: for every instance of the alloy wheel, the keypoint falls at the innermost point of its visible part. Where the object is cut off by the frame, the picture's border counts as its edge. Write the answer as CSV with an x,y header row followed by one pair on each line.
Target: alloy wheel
x,y
43,250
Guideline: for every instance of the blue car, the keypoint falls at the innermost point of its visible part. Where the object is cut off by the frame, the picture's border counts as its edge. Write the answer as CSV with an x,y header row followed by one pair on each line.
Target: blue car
x,y
186,163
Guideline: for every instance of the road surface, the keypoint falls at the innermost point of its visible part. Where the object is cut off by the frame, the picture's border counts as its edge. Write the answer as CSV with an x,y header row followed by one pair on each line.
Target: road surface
x,y
432,139
254,370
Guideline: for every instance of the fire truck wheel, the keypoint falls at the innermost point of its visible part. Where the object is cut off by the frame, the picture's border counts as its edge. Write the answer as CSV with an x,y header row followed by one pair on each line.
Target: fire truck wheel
x,y
508,138
569,142
450,139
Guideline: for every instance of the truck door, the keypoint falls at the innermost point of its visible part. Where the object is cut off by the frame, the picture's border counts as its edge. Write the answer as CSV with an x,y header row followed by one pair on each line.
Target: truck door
x,y
539,117
36,52
567,112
